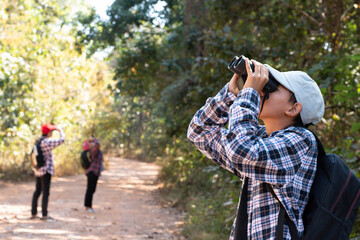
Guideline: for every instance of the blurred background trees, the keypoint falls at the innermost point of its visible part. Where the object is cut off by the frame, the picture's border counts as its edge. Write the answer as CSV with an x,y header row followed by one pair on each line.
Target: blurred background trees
x,y
166,58
44,79
172,55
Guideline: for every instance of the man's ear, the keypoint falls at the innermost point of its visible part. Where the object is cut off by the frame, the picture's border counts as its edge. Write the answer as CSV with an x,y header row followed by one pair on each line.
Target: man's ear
x,y
294,110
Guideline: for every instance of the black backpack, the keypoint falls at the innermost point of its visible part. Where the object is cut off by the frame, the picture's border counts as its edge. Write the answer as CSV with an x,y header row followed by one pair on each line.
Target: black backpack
x,y
38,156
85,159
334,199
334,202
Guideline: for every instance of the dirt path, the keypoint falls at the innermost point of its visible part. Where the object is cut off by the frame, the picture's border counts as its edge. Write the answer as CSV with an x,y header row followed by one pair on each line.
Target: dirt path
x,y
126,201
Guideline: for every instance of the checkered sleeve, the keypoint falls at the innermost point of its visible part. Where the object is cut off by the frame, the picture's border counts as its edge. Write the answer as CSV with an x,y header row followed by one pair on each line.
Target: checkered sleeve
x,y
239,149
205,129
53,143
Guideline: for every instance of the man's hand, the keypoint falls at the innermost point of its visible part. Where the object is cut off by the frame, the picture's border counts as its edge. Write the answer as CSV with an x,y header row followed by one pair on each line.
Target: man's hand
x,y
257,79
233,84
59,127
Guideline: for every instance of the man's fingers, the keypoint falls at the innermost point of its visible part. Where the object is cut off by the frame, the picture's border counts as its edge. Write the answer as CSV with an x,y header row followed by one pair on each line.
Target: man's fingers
x,y
263,71
257,67
266,72
247,65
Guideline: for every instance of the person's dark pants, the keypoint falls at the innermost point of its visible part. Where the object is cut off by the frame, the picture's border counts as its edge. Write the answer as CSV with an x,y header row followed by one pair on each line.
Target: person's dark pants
x,y
42,185
91,187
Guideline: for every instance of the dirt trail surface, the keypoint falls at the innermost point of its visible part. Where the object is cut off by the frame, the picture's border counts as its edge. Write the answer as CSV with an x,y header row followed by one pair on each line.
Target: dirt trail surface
x,y
127,204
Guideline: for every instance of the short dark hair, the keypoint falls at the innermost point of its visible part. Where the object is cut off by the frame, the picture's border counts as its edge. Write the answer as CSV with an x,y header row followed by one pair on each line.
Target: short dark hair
x,y
297,121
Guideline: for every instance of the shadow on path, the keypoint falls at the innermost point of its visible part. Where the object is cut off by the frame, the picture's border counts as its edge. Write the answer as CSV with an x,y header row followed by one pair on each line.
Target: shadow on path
x,y
125,201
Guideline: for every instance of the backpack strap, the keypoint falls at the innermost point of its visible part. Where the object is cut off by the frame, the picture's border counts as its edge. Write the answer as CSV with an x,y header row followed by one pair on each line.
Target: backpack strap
x,y
321,149
38,142
282,216
242,216
38,145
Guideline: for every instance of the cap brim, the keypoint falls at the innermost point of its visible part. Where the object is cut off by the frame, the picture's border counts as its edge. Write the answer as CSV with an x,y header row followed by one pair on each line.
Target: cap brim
x,y
279,77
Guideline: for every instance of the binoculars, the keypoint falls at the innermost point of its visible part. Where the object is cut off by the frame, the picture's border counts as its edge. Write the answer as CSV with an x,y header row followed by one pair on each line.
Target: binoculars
x,y
237,65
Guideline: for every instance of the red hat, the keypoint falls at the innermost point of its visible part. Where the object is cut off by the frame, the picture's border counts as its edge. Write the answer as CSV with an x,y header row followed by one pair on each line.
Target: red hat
x,y
86,146
47,127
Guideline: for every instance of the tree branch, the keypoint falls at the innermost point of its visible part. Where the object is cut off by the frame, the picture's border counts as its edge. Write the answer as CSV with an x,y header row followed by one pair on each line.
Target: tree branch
x,y
305,14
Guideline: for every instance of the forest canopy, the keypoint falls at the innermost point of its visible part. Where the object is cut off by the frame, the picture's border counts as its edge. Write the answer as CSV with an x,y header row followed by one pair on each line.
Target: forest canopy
x,y
163,60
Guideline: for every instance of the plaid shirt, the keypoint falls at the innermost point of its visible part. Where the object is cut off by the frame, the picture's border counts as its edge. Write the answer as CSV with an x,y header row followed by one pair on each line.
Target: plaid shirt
x,y
286,159
47,145
96,165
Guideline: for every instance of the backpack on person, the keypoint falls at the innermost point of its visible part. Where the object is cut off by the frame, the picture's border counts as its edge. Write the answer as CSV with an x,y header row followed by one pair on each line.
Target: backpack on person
x,y
85,159
334,201
37,156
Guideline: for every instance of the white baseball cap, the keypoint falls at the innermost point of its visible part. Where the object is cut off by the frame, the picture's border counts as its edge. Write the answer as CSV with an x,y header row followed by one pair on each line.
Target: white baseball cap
x,y
306,92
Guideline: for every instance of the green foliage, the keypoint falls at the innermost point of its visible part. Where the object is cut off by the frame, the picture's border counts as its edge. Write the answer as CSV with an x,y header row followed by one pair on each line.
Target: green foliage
x,y
207,193
43,79
166,63
168,71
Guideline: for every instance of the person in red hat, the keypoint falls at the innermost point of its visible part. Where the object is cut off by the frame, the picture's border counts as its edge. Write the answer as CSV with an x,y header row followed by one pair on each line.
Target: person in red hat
x,y
43,174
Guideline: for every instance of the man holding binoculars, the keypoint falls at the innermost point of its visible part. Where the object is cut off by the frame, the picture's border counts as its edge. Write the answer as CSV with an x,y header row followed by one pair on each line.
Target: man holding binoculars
x,y
278,157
